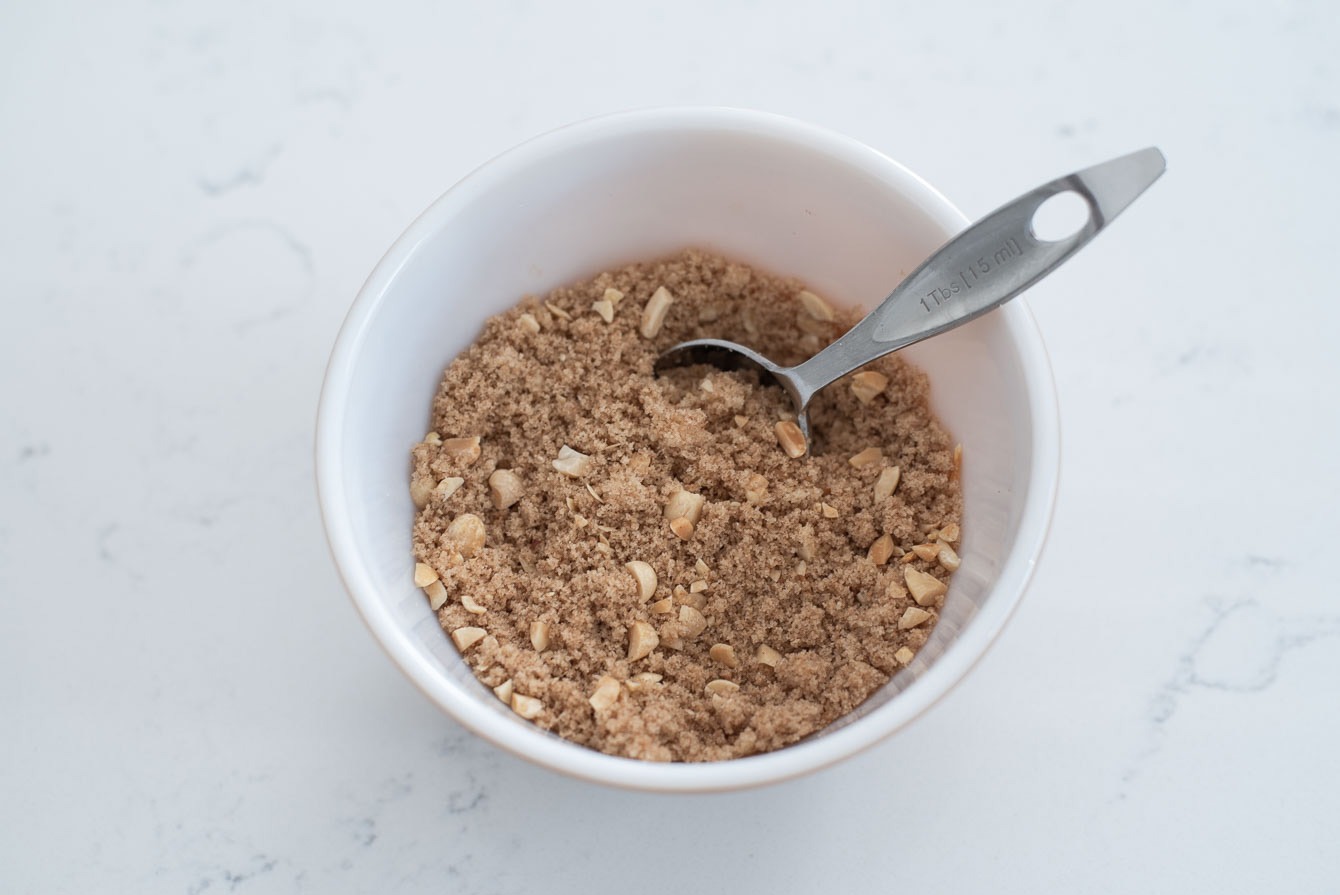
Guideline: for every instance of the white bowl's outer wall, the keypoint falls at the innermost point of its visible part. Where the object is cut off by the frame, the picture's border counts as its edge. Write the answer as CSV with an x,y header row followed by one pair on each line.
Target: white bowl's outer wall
x,y
787,197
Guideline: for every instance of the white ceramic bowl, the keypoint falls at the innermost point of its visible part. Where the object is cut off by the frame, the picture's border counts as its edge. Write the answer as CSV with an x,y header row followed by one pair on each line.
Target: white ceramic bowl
x,y
785,196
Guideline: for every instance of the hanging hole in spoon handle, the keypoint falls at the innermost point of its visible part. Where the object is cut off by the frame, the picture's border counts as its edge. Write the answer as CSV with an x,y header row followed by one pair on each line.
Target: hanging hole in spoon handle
x,y
984,266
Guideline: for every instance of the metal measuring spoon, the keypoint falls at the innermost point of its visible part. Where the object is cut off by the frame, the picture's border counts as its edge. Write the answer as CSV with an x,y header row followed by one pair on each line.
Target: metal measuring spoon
x,y
984,266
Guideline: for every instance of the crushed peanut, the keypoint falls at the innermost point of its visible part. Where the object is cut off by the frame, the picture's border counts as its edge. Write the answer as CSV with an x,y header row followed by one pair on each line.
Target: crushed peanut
x,y
466,637
607,691
653,315
686,505
642,639
725,654
903,656
866,457
505,488
527,707
691,621
437,595
766,655
923,587
913,617
881,550
539,636
464,451
504,691
887,482
448,486
682,528
645,576
572,463
604,308
790,438
471,605
720,687
466,534
816,307
868,385
424,574
528,323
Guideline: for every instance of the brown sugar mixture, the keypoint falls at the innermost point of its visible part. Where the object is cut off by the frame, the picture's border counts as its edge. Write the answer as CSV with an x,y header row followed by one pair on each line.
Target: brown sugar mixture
x,y
637,563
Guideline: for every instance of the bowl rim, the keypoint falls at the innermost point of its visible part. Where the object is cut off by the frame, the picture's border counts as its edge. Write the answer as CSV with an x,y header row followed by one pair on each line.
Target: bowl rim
x,y
578,761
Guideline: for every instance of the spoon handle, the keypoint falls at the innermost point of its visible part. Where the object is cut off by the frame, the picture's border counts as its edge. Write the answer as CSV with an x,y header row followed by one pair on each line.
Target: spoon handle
x,y
984,266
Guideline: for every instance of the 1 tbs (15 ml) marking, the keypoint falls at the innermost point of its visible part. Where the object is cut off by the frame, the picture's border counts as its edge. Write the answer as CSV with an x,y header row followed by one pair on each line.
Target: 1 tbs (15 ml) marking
x,y
970,276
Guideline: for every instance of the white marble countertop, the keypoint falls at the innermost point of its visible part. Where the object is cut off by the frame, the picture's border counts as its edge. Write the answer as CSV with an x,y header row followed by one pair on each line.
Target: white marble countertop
x,y
193,193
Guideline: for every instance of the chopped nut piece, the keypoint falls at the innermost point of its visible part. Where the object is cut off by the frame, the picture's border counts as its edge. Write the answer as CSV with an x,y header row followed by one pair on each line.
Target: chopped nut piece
x,y
887,482
701,568
913,617
816,307
682,528
927,552
464,638
830,512
866,457
420,489
539,636
812,329
463,450
696,599
642,639
613,296
505,488
949,534
653,315
432,438
557,311
686,505
605,309
790,438
424,574
504,691
725,654
741,420
720,687
466,533
948,558
572,463
437,595
641,681
958,459
469,604
755,489
448,486
692,621
903,656
881,550
868,385
663,607
527,707
697,586
645,576
907,557
801,568
706,385
607,691
923,587
528,323
809,547
768,656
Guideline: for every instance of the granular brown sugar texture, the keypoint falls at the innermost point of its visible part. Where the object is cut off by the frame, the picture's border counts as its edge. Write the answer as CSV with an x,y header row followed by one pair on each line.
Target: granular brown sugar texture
x,y
635,563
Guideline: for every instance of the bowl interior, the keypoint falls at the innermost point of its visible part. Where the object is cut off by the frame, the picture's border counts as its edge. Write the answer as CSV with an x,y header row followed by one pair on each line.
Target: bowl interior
x,y
786,198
